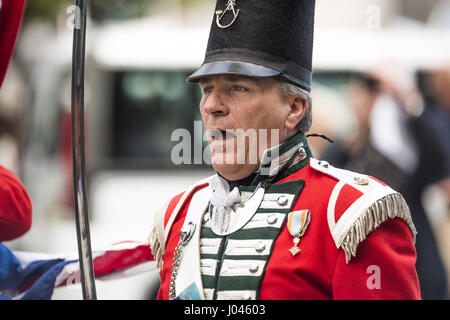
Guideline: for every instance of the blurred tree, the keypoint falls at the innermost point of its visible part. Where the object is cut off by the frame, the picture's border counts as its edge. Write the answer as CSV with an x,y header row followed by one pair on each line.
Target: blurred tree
x,y
417,9
188,3
99,9
45,9
125,9
103,9
119,9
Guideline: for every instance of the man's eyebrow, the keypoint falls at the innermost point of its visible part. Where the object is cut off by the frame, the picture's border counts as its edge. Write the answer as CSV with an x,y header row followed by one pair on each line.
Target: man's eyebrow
x,y
237,78
204,80
230,78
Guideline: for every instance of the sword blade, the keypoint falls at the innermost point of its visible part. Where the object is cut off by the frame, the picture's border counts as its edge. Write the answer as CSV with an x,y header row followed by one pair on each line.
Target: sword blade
x,y
78,153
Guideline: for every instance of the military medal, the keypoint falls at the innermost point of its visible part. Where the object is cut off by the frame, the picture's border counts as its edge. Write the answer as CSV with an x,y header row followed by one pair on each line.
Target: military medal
x,y
297,223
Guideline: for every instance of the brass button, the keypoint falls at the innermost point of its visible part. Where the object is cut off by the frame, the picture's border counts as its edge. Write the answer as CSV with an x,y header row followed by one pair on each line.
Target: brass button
x,y
254,267
272,219
260,247
362,181
302,152
247,296
282,200
323,164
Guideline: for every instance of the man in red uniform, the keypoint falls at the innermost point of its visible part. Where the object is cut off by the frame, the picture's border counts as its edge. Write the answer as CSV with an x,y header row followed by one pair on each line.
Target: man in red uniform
x,y
15,204
275,223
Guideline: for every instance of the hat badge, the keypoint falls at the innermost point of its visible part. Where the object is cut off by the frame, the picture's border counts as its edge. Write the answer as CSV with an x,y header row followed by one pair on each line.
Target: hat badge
x,y
221,13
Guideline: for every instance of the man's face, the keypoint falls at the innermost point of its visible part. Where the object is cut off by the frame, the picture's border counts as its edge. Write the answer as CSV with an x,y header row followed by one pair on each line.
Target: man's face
x,y
243,116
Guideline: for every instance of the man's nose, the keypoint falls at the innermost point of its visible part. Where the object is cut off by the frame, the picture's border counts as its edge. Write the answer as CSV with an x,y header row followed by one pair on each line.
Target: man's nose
x,y
214,104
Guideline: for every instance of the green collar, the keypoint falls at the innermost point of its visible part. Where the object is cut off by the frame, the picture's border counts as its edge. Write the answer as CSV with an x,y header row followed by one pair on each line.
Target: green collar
x,y
275,161
274,164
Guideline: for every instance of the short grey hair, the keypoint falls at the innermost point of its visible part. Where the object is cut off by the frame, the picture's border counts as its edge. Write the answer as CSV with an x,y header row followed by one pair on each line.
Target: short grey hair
x,y
289,89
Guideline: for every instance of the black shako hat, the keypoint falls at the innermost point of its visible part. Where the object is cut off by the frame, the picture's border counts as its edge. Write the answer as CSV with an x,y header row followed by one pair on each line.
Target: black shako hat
x,y
261,38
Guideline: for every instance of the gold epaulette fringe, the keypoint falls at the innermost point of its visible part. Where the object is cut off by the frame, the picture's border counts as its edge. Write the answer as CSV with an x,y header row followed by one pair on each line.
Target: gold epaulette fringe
x,y
155,246
391,206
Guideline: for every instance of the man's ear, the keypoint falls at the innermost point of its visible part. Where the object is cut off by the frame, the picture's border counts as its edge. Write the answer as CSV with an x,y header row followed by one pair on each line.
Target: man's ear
x,y
298,106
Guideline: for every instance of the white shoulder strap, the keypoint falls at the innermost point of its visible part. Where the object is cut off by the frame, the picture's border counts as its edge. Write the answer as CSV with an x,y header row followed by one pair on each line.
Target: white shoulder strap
x,y
180,203
189,269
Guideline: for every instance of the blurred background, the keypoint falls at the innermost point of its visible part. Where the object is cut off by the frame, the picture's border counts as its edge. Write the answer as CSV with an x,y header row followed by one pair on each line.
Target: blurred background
x,y
381,92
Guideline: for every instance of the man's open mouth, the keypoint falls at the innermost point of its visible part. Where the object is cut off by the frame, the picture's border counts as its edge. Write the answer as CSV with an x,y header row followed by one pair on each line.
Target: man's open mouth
x,y
221,134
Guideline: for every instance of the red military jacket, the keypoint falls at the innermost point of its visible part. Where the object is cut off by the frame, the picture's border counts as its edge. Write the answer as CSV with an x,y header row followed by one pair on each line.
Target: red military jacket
x,y
346,252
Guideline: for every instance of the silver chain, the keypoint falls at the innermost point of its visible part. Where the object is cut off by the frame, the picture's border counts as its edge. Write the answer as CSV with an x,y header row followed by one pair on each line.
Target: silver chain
x,y
185,235
175,265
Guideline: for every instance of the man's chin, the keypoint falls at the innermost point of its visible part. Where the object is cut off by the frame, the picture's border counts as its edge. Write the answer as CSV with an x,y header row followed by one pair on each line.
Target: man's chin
x,y
234,171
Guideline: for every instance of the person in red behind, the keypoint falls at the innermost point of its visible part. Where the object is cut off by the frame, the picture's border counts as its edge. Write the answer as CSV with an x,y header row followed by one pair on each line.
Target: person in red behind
x,y
15,203
15,207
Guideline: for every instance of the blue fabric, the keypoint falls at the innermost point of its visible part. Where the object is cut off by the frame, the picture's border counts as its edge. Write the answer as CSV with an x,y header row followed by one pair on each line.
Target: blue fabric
x,y
12,275
43,288
10,268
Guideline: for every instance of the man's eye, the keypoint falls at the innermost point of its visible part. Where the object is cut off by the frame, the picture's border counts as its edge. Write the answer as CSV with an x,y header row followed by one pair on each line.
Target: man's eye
x,y
207,89
238,89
